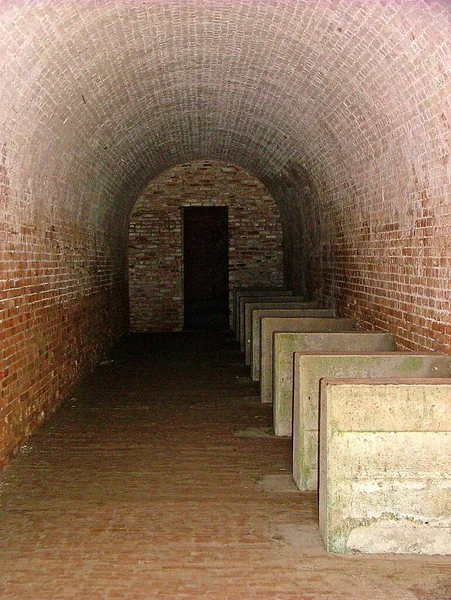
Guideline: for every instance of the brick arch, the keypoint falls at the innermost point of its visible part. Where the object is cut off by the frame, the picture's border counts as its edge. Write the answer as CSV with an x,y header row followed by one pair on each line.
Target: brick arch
x,y
155,238
341,109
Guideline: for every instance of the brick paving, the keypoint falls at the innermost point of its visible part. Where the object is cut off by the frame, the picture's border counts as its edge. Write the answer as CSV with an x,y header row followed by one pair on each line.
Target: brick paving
x,y
160,479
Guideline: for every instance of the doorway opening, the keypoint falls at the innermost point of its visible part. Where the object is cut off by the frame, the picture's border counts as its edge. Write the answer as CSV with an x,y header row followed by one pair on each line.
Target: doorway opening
x,y
206,267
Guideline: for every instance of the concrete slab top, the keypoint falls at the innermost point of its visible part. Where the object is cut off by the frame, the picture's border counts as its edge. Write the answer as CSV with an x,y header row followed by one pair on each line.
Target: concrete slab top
x,y
283,302
363,353
252,343
257,298
262,364
286,344
311,368
392,402
241,292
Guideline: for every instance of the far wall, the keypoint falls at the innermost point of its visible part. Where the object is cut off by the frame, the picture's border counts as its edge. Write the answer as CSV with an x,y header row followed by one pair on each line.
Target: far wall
x,y
155,238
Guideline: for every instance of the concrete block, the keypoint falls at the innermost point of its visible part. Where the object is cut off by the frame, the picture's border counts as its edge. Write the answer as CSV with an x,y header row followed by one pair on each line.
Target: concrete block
x,y
309,369
269,297
254,331
385,466
241,292
287,320
248,307
286,344
272,326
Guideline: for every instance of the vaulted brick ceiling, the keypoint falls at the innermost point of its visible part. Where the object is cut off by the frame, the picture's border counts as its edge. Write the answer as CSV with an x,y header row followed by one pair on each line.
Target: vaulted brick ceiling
x,y
341,107
102,96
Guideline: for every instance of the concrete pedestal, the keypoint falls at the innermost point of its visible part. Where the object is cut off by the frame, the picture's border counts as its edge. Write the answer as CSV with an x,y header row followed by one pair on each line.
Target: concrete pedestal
x,y
309,369
258,292
385,466
269,297
254,334
262,362
286,344
249,306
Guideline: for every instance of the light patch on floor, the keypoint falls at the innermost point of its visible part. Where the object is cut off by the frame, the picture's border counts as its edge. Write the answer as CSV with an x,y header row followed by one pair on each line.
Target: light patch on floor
x,y
255,432
280,484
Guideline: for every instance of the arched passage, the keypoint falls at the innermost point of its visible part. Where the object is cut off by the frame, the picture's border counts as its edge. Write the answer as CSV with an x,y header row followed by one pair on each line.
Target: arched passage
x,y
156,262
342,110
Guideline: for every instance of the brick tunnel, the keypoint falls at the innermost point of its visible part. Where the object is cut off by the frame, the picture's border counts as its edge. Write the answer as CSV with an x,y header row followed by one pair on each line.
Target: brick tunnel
x,y
324,127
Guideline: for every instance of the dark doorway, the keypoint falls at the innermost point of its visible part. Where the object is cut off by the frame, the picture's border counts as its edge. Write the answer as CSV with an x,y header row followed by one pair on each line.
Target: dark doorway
x,y
206,267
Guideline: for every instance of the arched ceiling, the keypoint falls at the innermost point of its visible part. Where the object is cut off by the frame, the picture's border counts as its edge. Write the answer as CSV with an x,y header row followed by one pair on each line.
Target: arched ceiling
x,y
99,97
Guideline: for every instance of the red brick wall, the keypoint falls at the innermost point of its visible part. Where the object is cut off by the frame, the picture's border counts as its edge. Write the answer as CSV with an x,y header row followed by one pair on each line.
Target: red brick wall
x,y
63,302
378,251
62,307
390,268
155,238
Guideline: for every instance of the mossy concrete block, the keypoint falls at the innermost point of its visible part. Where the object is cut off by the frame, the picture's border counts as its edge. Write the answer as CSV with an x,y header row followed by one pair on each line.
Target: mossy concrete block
x,y
249,306
268,297
263,359
310,368
286,344
254,331
385,465
241,292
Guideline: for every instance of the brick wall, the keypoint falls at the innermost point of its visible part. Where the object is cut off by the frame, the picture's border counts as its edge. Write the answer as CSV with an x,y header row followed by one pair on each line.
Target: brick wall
x,y
155,238
63,304
377,251
390,268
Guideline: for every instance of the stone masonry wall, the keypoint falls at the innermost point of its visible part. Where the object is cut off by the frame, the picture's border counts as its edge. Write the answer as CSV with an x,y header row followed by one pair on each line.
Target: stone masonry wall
x,y
155,238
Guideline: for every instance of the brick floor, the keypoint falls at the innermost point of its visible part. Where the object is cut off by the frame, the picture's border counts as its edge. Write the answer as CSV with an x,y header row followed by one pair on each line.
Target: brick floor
x,y
160,479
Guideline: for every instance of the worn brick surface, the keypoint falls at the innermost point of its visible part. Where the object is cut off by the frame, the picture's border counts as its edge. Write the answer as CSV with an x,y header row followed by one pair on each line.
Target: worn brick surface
x,y
158,479
156,247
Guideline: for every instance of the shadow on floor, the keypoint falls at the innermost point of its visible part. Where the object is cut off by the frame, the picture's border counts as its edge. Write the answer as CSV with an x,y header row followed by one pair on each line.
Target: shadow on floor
x,y
143,485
